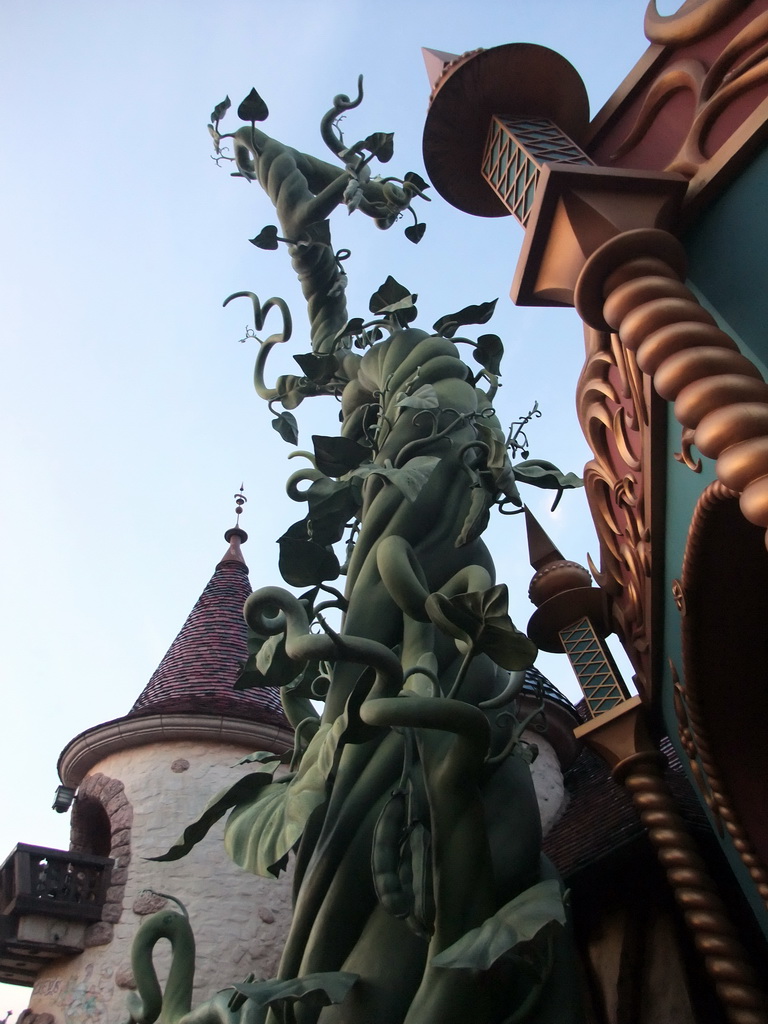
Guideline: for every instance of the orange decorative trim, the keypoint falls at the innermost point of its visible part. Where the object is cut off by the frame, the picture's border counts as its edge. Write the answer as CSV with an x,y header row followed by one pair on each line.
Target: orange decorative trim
x,y
713,933
613,412
697,102
678,595
719,395
694,732
685,456
691,22
717,392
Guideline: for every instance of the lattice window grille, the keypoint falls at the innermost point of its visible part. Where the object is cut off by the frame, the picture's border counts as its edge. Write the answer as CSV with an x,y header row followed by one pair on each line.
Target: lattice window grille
x,y
595,670
516,151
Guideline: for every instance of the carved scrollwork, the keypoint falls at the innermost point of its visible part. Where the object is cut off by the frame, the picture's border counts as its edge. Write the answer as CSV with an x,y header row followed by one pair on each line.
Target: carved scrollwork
x,y
739,67
685,455
613,414
678,595
691,22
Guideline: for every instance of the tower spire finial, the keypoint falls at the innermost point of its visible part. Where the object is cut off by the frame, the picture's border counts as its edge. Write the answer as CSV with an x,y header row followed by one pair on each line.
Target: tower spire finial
x,y
240,500
236,535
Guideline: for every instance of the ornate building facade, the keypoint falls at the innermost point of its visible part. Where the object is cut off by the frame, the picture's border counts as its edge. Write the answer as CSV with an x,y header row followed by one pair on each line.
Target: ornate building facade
x,y
648,218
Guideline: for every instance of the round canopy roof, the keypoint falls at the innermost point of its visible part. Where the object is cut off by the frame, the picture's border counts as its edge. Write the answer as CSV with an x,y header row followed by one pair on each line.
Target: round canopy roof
x,y
515,80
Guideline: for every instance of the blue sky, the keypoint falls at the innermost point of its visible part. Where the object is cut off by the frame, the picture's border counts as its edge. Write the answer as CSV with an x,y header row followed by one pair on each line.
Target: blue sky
x,y
128,414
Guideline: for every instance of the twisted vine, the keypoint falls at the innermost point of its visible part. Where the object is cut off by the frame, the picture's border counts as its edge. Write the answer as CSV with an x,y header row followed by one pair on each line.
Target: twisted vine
x,y
413,764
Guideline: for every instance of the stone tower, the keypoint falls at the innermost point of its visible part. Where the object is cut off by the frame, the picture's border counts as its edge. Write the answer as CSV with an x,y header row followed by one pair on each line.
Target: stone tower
x,y
140,780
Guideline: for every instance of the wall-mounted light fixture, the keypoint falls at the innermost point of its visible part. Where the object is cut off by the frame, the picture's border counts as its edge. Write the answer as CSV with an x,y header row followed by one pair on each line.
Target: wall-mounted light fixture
x,y
62,800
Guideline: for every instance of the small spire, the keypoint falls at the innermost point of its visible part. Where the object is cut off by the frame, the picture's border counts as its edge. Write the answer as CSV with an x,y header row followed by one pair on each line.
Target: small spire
x,y
436,62
236,536
554,574
541,548
240,500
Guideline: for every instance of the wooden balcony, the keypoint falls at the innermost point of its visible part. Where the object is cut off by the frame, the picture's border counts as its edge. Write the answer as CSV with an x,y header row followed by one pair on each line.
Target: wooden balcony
x,y
47,899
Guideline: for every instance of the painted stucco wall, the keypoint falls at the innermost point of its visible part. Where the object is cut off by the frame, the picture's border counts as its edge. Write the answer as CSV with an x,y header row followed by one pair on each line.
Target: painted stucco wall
x,y
547,781
239,920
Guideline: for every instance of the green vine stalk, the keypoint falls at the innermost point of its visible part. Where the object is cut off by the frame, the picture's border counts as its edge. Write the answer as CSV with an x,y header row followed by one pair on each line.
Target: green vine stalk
x,y
420,894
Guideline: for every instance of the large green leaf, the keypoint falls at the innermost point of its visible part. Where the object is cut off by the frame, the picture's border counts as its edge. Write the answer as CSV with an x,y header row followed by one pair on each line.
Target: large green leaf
x,y
261,832
517,922
408,479
220,109
381,144
416,183
266,238
241,792
258,757
415,232
476,314
352,327
303,563
477,516
539,473
253,108
320,989
287,427
480,619
489,352
332,504
425,397
336,456
393,297
268,663
318,368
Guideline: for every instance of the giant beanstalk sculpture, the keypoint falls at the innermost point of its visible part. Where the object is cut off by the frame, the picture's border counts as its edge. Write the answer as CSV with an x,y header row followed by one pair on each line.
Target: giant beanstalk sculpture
x,y
420,894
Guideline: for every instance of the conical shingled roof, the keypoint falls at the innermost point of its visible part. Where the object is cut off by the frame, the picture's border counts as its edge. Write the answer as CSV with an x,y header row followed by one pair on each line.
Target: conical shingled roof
x,y
199,670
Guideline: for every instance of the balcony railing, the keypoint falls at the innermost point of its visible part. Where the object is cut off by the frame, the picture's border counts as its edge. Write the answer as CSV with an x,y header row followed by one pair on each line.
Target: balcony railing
x,y
56,883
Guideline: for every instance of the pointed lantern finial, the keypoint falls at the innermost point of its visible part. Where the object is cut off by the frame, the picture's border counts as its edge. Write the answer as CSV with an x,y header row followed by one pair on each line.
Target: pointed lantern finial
x,y
236,536
436,61
554,574
572,617
240,500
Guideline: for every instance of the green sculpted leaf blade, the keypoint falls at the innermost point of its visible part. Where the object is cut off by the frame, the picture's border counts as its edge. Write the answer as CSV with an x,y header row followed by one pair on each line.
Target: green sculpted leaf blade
x,y
516,922
539,473
242,791
316,990
415,232
303,563
409,479
261,832
220,109
287,427
480,619
393,297
253,108
476,314
489,353
336,456
266,238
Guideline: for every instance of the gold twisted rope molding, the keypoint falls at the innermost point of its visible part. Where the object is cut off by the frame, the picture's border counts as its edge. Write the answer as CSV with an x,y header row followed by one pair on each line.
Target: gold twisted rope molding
x,y
694,731
634,284
713,934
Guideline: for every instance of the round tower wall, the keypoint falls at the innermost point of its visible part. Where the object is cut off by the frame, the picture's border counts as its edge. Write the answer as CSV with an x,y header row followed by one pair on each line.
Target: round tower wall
x,y
150,794
548,782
